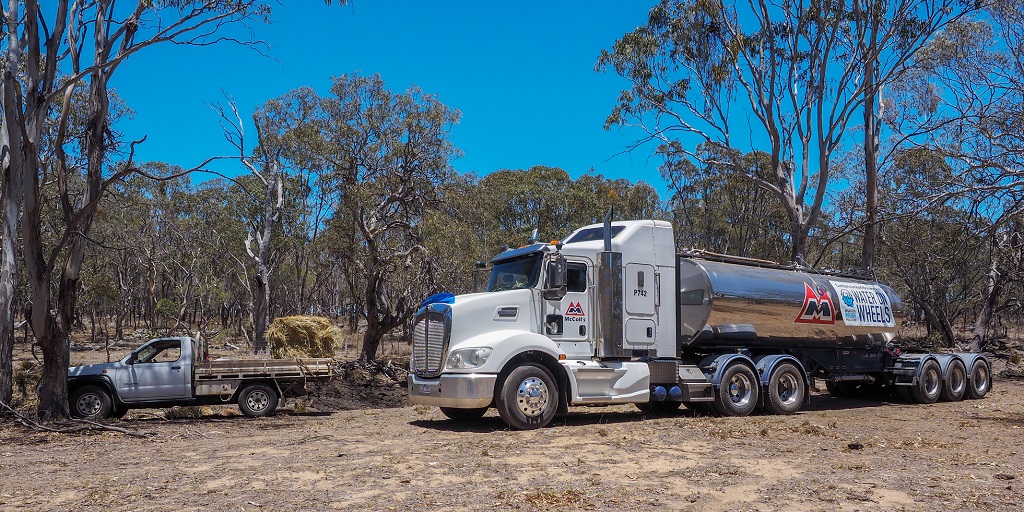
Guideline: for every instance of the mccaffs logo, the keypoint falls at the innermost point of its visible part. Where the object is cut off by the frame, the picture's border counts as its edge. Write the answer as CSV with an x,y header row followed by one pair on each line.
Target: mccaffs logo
x,y
574,309
817,307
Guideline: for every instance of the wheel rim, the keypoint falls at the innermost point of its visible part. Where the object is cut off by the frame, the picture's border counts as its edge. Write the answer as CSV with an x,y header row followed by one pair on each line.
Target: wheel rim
x,y
89,404
257,400
532,396
957,380
932,381
739,390
788,389
981,378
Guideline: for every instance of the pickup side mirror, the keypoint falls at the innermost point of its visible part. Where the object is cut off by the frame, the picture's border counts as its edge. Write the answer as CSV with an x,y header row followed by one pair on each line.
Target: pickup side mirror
x,y
131,358
556,280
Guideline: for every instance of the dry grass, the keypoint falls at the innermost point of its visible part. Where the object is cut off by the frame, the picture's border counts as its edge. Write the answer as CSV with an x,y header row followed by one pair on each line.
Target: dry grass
x,y
303,336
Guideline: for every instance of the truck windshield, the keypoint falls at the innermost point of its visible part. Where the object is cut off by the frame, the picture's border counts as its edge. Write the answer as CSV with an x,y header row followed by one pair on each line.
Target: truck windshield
x,y
516,273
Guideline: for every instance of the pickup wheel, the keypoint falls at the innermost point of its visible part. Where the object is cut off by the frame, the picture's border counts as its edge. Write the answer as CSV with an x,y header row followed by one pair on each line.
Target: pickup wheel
x,y
786,390
90,402
955,384
929,384
528,399
257,400
459,415
737,395
981,379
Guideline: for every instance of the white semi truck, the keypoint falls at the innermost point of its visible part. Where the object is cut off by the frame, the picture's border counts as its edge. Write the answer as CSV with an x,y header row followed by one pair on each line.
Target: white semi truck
x,y
614,315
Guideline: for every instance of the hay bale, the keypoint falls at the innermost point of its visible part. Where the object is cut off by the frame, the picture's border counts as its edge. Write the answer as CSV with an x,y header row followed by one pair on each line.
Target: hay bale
x,y
292,337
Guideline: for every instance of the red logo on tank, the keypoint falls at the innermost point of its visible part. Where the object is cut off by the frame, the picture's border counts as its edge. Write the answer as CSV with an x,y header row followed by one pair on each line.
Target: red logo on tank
x,y
817,308
574,309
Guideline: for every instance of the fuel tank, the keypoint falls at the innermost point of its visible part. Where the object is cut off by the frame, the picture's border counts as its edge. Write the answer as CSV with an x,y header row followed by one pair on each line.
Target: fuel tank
x,y
734,302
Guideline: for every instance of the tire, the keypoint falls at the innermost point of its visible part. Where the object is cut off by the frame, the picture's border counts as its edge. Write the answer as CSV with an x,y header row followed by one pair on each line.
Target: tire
x,y
659,408
459,415
929,383
839,389
955,384
90,402
528,398
903,394
786,390
980,381
257,400
738,393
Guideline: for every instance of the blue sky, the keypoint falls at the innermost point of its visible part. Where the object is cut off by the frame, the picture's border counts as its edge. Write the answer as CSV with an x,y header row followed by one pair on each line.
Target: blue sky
x,y
522,74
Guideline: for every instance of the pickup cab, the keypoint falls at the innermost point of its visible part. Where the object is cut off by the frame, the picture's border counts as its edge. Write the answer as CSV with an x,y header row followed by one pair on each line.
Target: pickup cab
x,y
165,372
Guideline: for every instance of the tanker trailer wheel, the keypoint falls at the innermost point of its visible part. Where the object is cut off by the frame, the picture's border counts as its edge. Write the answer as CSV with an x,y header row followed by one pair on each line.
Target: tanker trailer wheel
x,y
737,394
981,379
90,402
929,383
460,415
955,384
528,399
257,400
786,390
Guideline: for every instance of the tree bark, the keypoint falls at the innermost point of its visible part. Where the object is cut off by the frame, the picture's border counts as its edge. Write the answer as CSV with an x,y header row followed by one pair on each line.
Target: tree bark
x,y
988,307
12,191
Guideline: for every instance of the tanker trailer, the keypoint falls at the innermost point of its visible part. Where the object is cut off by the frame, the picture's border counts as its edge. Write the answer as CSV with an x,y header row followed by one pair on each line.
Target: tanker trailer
x,y
839,327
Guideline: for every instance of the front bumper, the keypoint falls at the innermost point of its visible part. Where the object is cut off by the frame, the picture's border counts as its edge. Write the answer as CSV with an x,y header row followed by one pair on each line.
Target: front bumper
x,y
460,390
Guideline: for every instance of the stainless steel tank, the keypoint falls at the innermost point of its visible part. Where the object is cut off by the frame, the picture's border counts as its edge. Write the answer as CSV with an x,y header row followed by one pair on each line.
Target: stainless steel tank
x,y
727,303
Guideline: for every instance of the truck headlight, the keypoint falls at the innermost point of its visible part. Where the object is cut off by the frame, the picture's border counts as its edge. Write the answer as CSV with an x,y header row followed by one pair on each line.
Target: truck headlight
x,y
464,358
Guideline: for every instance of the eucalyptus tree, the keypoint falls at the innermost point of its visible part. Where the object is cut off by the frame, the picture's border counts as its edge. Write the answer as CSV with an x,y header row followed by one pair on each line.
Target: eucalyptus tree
x,y
722,211
65,46
785,78
387,154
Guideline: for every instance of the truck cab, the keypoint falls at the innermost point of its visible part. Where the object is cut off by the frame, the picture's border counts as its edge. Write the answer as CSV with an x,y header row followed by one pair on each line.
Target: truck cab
x,y
540,322
159,370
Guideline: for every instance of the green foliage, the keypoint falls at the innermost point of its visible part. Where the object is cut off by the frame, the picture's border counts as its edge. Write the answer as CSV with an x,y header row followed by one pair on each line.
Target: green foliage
x,y
167,308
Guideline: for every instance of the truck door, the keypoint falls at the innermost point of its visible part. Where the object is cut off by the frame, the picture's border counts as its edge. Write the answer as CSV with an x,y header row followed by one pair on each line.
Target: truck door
x,y
159,370
641,291
568,320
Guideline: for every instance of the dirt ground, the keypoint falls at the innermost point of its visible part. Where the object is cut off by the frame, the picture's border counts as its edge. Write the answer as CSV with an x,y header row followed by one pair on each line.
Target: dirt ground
x,y
836,454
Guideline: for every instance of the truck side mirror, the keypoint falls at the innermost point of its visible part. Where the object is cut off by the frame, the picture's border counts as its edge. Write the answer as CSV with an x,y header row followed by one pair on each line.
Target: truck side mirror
x,y
556,280
131,358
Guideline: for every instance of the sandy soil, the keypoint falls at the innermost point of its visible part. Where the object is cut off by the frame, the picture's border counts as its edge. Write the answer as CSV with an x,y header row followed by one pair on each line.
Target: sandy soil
x,y
837,454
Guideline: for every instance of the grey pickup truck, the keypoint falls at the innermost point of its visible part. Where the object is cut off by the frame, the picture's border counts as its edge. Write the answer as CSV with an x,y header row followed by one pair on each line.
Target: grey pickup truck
x,y
165,372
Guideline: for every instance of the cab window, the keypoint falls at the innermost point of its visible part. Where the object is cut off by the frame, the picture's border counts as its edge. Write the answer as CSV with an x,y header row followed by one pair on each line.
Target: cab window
x,y
576,277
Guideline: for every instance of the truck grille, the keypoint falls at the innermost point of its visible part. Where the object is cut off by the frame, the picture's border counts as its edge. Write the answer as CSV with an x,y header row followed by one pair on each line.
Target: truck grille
x,y
429,342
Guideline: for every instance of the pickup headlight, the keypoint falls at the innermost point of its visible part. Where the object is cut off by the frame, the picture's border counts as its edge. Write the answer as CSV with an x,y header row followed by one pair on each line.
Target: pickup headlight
x,y
465,358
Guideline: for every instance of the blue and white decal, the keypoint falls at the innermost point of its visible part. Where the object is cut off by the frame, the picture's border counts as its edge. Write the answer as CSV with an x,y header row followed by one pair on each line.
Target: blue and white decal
x,y
864,305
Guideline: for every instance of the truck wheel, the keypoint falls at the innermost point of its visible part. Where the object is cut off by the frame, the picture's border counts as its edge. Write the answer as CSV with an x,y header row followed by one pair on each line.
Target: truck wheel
x,y
528,399
257,400
737,395
839,389
90,402
981,379
929,384
955,384
458,415
786,390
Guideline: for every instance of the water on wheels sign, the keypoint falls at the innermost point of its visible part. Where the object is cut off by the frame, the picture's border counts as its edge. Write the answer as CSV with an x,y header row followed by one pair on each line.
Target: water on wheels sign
x,y
864,304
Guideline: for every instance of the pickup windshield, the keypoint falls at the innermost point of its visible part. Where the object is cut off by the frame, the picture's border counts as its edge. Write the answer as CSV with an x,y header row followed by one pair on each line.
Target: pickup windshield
x,y
515,273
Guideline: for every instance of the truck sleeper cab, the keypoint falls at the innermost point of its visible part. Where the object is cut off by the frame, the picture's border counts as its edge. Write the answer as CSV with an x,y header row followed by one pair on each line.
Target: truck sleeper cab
x,y
614,315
